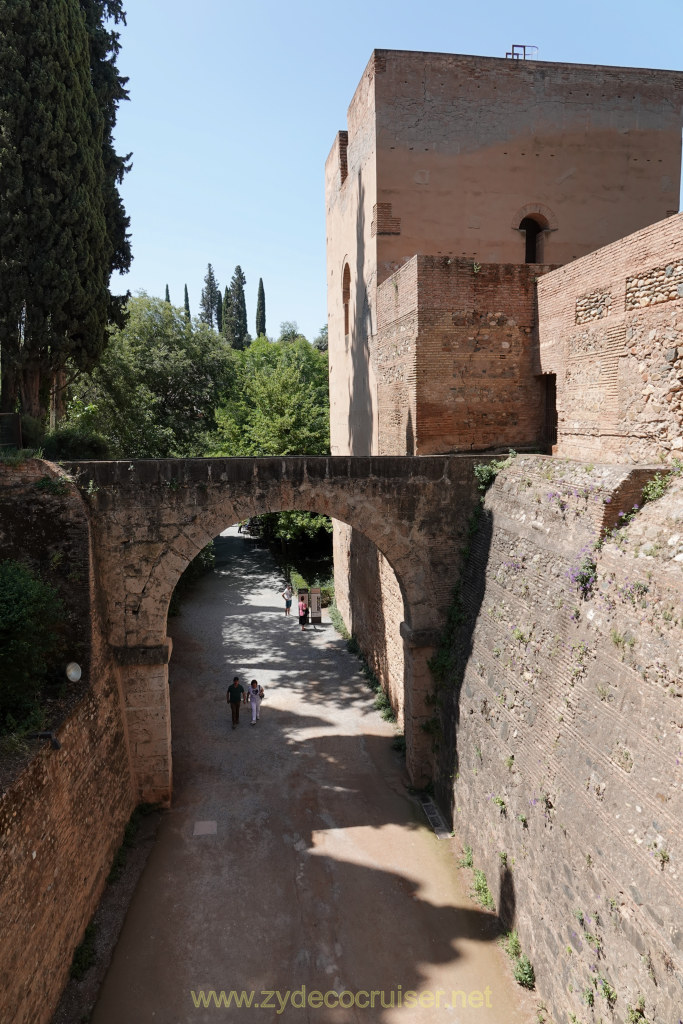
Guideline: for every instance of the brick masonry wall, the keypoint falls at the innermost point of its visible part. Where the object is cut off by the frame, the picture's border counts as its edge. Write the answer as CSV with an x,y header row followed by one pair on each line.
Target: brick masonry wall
x,y
396,361
468,145
456,357
564,744
611,329
373,611
62,816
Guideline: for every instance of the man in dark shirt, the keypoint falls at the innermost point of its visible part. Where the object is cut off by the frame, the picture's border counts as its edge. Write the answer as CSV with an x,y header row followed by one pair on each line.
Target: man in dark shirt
x,y
235,696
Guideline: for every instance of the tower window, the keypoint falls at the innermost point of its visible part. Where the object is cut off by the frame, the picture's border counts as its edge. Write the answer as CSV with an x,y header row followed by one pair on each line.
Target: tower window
x,y
533,232
346,296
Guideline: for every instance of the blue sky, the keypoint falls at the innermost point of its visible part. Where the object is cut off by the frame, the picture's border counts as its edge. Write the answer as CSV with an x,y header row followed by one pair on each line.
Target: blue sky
x,y
234,107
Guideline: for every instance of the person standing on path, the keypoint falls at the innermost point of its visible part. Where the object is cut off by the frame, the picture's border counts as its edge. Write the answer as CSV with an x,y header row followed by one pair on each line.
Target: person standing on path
x,y
287,594
255,696
303,612
235,696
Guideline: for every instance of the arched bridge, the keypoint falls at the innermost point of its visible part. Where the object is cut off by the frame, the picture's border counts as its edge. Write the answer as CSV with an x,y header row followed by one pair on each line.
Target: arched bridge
x,y
150,518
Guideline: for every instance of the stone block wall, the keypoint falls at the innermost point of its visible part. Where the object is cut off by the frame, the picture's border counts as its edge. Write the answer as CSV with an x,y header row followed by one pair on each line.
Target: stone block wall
x,y
62,814
611,329
562,755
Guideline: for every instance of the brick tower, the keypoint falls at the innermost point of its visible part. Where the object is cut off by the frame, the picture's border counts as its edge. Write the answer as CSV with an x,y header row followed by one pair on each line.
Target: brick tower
x,y
459,181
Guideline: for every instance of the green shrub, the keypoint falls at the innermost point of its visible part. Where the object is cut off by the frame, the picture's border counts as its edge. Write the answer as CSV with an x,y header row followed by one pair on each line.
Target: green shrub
x,y
486,472
661,482
75,443
383,705
297,581
338,623
512,945
524,972
399,743
481,890
31,615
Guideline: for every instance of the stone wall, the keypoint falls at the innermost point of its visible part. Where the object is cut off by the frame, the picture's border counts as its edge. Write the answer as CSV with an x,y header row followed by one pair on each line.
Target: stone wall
x,y
611,329
562,751
62,815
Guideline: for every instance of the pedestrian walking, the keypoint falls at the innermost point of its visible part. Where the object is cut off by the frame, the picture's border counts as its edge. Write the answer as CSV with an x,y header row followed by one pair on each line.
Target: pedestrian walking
x,y
255,696
287,595
303,612
235,696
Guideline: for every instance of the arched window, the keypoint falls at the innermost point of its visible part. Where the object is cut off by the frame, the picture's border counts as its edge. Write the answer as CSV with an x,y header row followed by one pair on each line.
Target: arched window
x,y
533,228
346,296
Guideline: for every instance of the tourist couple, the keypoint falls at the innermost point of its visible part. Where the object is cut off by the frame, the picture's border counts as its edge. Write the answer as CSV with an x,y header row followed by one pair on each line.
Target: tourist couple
x,y
236,695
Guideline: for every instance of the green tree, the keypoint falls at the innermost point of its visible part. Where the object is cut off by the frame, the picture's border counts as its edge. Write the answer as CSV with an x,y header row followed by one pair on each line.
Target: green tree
x,y
235,318
289,331
155,391
219,312
31,615
321,341
278,403
261,310
101,18
209,300
167,297
187,305
225,312
56,250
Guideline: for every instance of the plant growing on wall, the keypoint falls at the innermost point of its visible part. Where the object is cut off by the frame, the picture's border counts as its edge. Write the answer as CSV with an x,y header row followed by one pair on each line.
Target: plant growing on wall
x,y
31,615
486,472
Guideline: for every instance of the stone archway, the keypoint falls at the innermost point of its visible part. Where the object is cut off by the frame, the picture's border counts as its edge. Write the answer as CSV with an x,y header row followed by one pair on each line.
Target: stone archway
x,y
150,518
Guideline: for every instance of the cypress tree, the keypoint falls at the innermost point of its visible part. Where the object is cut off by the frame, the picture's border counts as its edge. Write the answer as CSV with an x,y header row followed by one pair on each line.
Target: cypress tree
x,y
226,312
209,299
110,90
168,296
55,249
219,312
187,304
260,310
236,331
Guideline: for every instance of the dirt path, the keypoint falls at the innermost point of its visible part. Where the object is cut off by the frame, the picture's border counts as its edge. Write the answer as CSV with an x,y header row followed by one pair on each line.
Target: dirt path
x,y
294,858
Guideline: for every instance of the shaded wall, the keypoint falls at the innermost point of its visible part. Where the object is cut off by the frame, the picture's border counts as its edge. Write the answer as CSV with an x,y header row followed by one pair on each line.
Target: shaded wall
x,y
62,812
562,734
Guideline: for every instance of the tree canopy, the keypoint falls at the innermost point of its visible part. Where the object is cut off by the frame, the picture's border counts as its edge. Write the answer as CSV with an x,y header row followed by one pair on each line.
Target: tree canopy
x,y
155,391
208,303
235,312
261,310
278,403
62,224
